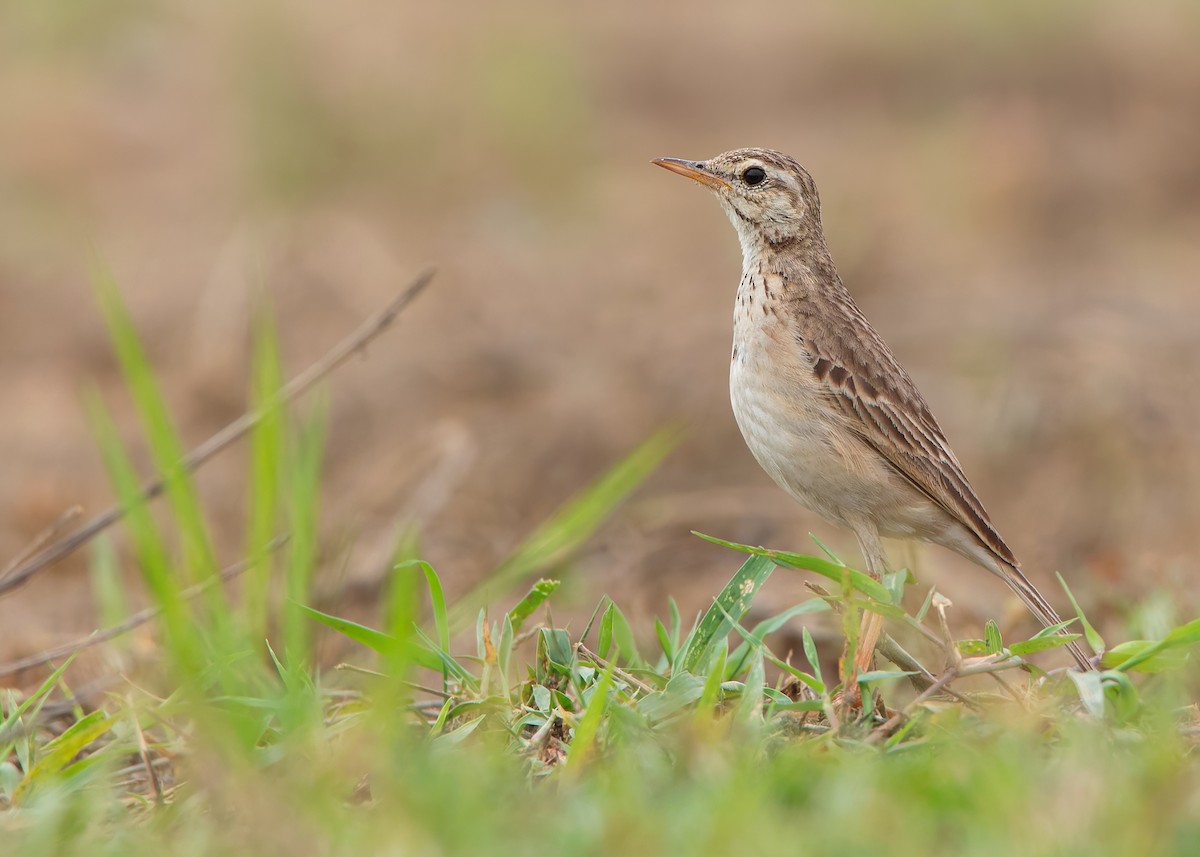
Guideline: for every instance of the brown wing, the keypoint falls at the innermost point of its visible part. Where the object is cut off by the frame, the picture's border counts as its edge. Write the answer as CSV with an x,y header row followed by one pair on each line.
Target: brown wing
x,y
870,386
867,382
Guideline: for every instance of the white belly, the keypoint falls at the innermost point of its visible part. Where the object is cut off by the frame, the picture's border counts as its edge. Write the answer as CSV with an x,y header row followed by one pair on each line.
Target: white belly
x,y
809,449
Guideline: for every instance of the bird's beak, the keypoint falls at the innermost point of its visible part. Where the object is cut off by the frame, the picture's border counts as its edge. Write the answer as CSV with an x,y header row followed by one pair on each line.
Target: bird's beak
x,y
694,170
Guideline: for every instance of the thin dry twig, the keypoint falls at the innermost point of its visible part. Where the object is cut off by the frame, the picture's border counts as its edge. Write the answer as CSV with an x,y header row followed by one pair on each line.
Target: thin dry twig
x,y
41,539
885,728
147,762
139,618
340,353
617,671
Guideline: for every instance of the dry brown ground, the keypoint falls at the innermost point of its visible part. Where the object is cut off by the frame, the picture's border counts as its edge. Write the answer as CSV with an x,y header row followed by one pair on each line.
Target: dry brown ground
x,y
1012,193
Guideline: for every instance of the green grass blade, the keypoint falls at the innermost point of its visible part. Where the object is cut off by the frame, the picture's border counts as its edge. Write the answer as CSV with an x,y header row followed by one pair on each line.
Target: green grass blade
x,y
267,465
180,632
833,571
568,528
1094,640
729,606
166,448
373,639
301,490
585,741
706,706
750,708
763,629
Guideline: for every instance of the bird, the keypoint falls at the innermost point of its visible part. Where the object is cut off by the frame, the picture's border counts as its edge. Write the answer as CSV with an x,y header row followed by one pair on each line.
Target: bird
x,y
823,404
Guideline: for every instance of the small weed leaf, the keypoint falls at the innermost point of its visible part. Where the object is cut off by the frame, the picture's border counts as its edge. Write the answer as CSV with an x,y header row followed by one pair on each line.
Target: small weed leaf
x,y
681,691
882,675
993,643
1122,695
534,598
1041,644
59,753
1091,691
554,656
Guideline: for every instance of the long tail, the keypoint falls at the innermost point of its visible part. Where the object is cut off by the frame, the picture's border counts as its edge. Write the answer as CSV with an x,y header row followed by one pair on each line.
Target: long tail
x,y
1039,606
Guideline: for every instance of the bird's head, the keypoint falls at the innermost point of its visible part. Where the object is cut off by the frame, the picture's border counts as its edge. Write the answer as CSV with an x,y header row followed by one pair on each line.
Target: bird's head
x,y
769,197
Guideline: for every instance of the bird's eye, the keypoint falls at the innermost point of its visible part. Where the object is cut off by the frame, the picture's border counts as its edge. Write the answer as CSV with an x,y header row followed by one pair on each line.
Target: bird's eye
x,y
754,175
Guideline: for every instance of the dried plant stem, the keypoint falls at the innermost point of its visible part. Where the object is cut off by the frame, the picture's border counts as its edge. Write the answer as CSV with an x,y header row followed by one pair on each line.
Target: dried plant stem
x,y
340,353
885,728
40,540
617,671
139,618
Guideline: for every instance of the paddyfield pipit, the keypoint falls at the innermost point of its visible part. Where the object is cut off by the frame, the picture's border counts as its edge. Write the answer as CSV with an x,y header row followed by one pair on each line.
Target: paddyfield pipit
x,y
822,402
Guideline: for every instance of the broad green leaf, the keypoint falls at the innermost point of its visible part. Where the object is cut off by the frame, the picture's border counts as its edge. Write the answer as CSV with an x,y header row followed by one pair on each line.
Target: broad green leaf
x,y
1143,656
1184,635
1091,691
541,697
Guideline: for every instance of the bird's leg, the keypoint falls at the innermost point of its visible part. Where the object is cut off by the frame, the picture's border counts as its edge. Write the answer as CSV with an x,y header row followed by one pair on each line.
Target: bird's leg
x,y
872,623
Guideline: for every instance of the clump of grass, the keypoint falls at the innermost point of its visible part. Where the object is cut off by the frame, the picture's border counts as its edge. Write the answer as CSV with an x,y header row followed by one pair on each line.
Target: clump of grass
x,y
688,737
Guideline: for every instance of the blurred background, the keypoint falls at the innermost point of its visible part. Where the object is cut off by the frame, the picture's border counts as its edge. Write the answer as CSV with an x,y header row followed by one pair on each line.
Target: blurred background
x,y
1011,191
